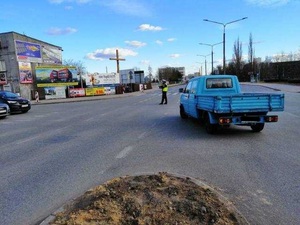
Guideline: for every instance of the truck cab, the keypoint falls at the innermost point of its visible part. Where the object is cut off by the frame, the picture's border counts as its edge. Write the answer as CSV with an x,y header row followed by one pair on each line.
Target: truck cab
x,y
207,85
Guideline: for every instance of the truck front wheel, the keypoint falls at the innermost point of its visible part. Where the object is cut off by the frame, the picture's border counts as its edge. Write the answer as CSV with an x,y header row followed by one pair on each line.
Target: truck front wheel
x,y
257,127
183,115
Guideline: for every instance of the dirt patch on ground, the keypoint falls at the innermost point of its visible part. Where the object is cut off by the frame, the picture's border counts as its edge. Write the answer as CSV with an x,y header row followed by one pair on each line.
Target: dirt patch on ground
x,y
149,199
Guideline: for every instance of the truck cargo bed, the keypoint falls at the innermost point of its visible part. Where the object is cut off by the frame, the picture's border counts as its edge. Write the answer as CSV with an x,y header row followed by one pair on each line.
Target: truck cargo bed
x,y
243,102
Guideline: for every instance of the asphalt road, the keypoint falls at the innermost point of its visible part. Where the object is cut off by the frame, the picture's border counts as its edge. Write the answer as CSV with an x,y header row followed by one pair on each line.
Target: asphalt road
x,y
56,152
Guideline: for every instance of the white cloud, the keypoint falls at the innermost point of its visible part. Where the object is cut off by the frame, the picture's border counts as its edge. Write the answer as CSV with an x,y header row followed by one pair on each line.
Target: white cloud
x,y
56,1
266,3
61,31
159,42
128,7
145,62
68,7
175,56
101,54
68,1
136,44
171,39
148,27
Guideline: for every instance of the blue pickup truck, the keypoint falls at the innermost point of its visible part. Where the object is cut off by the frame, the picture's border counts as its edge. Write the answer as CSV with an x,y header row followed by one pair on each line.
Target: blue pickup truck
x,y
217,101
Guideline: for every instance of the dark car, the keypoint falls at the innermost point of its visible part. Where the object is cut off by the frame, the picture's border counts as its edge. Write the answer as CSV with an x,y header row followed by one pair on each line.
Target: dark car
x,y
4,109
15,102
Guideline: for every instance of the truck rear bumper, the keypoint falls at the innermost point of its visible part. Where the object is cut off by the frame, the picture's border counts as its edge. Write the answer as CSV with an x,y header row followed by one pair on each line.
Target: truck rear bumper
x,y
247,120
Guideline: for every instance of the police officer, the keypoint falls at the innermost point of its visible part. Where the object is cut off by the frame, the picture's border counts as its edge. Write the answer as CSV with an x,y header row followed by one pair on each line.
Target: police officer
x,y
164,87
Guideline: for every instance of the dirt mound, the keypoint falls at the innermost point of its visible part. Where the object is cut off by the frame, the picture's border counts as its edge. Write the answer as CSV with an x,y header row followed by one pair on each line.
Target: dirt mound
x,y
148,199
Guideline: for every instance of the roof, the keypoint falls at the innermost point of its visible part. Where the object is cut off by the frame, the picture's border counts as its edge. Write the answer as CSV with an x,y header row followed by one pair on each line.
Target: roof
x,y
12,32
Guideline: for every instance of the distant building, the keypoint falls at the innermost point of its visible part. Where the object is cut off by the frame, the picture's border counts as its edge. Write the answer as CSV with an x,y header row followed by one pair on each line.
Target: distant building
x,y
19,55
134,76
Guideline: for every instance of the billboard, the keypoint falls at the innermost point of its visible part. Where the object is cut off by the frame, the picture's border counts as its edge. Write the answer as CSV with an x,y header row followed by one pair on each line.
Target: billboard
x,y
95,91
28,52
51,55
3,78
55,92
25,73
53,76
98,79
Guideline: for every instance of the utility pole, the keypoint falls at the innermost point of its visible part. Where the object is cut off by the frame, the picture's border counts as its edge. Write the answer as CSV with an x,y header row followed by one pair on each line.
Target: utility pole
x,y
117,59
224,26
212,54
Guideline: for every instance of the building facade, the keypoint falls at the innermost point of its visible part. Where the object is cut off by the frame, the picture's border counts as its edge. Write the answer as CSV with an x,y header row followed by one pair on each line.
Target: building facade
x,y
19,56
134,76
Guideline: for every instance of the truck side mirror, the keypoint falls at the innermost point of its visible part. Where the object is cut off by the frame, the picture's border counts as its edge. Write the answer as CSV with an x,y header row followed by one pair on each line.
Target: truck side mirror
x,y
180,90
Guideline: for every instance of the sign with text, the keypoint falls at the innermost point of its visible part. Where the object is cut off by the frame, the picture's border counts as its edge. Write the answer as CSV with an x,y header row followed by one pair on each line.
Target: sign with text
x,y
98,79
28,52
51,55
95,91
25,73
55,92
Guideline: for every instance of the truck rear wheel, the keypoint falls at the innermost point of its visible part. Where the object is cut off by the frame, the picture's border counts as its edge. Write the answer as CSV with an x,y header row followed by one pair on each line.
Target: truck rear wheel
x,y
257,127
183,115
209,127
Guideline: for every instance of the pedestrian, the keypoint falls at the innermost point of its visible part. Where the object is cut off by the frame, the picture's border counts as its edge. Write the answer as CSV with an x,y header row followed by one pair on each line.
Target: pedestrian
x,y
37,97
164,87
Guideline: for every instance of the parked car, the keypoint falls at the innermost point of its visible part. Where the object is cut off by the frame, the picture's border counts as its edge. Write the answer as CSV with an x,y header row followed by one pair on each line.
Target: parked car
x,y
15,102
4,109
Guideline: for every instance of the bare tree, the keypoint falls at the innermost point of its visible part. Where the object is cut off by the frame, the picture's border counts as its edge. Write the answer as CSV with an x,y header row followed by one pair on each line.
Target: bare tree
x,y
78,64
237,57
251,52
150,72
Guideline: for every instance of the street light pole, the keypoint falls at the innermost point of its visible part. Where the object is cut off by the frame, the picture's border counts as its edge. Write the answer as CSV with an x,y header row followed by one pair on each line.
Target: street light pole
x,y
212,54
224,26
204,62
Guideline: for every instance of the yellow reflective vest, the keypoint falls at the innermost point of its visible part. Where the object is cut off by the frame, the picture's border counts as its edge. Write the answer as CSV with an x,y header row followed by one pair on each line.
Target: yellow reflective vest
x,y
165,88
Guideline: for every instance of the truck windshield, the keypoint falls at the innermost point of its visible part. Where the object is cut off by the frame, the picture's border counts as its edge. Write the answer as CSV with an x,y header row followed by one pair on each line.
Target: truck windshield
x,y
218,83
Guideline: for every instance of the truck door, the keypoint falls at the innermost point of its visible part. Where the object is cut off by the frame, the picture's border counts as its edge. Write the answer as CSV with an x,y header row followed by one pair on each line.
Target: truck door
x,y
185,97
192,101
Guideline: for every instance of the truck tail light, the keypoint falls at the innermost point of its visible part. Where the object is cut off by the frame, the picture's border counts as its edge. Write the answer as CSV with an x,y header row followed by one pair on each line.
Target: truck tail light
x,y
271,118
224,120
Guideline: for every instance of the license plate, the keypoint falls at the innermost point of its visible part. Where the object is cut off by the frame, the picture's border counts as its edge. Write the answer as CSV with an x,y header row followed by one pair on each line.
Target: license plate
x,y
24,106
2,111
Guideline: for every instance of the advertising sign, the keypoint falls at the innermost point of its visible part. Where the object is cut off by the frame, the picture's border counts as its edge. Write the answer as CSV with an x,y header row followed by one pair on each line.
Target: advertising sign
x,y
76,92
55,92
53,76
95,91
28,52
25,73
51,55
3,78
98,79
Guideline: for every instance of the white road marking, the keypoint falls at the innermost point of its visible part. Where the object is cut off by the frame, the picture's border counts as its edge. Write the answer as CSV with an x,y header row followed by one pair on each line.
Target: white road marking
x,y
26,140
142,135
124,152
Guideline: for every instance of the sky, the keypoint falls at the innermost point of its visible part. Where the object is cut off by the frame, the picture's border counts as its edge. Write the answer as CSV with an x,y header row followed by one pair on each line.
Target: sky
x,y
155,33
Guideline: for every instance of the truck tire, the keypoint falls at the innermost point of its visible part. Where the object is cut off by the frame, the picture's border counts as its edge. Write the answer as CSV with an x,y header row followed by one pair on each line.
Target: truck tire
x,y
257,127
183,115
209,127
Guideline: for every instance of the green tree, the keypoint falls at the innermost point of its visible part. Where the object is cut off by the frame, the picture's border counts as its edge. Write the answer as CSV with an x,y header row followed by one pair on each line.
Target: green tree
x,y
170,74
